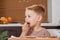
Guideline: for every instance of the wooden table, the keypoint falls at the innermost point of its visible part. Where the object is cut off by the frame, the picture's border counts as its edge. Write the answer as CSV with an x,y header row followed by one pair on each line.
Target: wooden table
x,y
17,38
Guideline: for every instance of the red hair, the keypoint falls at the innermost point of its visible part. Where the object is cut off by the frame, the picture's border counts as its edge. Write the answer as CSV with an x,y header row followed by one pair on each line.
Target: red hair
x,y
37,8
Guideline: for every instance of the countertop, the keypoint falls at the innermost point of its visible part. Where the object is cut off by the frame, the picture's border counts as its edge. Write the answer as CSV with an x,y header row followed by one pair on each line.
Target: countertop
x,y
19,24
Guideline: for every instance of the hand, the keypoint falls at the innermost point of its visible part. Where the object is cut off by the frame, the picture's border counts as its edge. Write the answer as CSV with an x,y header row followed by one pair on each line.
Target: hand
x,y
25,27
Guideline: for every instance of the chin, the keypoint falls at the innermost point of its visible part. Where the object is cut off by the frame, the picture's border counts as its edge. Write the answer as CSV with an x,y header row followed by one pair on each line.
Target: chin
x,y
32,25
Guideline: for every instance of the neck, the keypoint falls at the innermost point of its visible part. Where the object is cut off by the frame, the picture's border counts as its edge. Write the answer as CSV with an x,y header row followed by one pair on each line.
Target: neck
x,y
37,27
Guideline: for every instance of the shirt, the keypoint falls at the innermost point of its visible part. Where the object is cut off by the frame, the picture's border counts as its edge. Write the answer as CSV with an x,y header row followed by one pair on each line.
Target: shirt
x,y
40,33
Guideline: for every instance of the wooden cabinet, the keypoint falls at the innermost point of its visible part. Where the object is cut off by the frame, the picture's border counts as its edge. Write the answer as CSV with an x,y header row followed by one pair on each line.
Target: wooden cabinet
x,y
16,9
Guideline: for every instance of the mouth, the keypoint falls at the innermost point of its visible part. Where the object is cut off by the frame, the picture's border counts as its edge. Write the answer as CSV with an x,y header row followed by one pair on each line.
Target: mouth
x,y
28,24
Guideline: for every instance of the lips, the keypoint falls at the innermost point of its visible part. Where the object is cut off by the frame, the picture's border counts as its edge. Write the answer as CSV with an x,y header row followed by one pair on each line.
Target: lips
x,y
28,24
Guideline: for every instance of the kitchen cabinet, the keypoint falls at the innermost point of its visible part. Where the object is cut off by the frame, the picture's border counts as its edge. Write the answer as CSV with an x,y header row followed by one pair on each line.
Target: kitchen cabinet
x,y
12,30
16,9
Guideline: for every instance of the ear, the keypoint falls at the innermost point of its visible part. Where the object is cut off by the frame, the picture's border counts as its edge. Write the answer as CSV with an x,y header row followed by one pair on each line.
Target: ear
x,y
39,17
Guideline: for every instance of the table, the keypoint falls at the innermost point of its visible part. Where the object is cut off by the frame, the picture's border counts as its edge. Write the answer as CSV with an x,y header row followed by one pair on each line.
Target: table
x,y
17,38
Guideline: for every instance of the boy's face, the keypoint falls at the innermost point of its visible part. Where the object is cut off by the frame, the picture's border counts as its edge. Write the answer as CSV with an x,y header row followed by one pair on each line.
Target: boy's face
x,y
31,17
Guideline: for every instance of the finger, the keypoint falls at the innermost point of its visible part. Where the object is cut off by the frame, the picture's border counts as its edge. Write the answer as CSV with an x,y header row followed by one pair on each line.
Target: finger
x,y
25,24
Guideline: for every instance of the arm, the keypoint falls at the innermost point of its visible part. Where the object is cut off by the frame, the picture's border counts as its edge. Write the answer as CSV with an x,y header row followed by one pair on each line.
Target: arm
x,y
23,34
25,29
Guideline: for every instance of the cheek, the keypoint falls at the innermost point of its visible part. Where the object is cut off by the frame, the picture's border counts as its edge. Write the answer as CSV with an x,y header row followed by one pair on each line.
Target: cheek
x,y
32,22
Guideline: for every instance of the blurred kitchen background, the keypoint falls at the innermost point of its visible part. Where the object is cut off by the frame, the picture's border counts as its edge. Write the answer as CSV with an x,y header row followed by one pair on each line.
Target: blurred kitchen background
x,y
15,9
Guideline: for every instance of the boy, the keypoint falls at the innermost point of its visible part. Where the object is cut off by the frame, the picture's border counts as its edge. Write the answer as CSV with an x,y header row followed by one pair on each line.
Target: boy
x,y
32,25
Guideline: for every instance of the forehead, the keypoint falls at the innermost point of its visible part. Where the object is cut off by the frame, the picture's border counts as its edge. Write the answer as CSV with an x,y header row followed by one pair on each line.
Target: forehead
x,y
30,12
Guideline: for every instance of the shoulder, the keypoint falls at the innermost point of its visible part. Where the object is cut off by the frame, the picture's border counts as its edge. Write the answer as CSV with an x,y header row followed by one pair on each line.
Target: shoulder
x,y
43,29
44,32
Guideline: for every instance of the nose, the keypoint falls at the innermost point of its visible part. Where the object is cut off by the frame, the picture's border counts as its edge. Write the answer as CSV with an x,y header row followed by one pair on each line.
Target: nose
x,y
26,19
